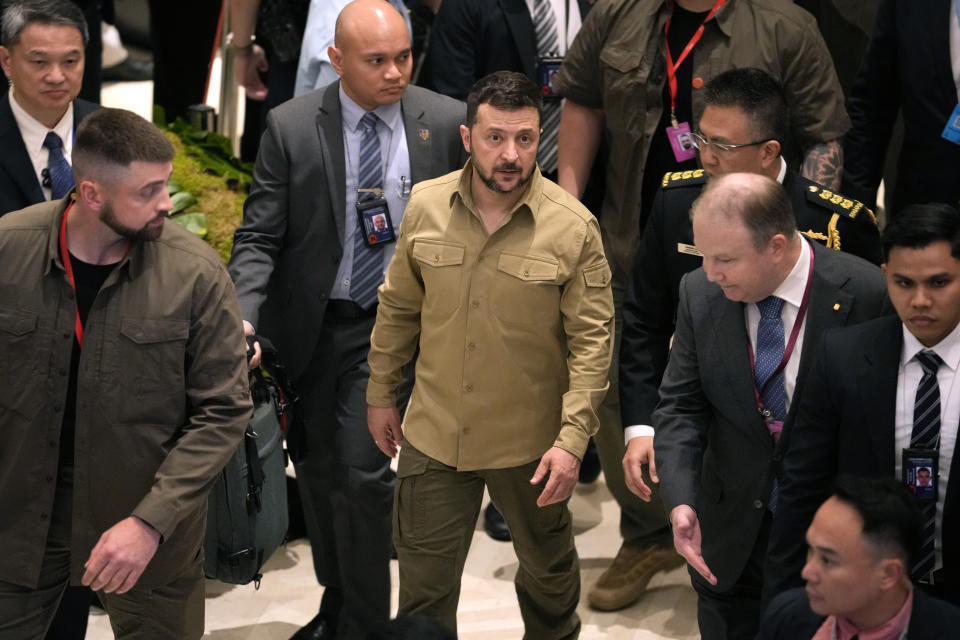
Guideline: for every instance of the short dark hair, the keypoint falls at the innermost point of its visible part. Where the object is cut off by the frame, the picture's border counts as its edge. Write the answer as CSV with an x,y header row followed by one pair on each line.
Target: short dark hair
x,y
20,14
765,212
110,138
892,522
919,225
506,90
758,95
414,627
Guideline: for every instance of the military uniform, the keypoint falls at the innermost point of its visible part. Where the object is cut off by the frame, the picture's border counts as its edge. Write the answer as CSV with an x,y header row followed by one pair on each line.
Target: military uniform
x,y
667,253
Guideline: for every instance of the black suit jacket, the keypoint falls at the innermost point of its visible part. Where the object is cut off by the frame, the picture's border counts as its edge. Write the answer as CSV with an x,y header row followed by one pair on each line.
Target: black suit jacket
x,y
713,450
907,65
845,423
651,302
471,38
789,618
19,187
288,248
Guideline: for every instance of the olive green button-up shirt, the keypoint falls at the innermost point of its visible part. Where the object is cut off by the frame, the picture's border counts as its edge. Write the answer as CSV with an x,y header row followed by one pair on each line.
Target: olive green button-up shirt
x,y
515,327
618,63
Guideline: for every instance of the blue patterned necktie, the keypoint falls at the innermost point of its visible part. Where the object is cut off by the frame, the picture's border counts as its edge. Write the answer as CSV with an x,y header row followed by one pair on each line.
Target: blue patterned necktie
x,y
545,27
367,270
770,347
61,174
926,435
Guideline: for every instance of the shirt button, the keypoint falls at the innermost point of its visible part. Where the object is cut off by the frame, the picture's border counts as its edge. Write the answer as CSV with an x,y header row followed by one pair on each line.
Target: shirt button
x,y
480,259
475,304
52,443
526,274
67,336
436,258
469,388
346,282
49,478
471,346
758,504
57,408
43,516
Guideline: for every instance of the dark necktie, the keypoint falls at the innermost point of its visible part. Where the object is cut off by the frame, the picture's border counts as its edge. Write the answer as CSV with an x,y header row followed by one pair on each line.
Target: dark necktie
x,y
770,347
545,27
926,435
367,270
61,175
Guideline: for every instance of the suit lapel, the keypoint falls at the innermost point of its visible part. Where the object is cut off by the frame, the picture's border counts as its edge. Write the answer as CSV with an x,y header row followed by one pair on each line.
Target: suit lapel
x,y
877,375
419,138
521,28
330,132
15,159
938,47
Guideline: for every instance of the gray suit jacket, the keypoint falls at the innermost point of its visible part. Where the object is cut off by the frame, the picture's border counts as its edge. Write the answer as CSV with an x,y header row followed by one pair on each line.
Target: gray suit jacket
x,y
19,187
713,450
288,248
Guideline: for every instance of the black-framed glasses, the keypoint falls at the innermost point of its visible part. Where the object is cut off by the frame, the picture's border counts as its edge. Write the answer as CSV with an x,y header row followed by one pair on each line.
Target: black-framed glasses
x,y
701,143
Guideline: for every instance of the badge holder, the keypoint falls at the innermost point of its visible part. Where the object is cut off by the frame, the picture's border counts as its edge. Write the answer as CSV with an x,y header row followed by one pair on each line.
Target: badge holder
x,y
547,70
373,218
951,132
919,473
681,141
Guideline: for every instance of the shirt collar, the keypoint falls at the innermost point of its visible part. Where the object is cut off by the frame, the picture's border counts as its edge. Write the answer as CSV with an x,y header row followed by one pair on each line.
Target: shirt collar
x,y
948,349
35,132
351,112
783,170
530,200
134,257
792,288
892,629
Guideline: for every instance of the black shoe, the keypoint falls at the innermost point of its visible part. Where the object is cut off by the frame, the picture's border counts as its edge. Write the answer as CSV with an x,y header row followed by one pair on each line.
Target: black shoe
x,y
590,465
494,525
320,628
129,70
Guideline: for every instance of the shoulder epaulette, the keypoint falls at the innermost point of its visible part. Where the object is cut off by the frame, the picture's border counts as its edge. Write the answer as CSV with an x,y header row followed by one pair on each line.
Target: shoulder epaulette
x,y
683,178
839,204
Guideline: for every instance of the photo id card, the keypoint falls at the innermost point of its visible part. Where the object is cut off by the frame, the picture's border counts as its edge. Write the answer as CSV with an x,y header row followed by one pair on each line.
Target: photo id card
x,y
375,224
547,70
919,473
681,142
951,132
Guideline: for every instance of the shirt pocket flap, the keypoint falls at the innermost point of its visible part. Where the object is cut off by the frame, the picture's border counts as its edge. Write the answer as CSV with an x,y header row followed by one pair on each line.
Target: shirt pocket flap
x,y
528,268
621,59
16,322
597,275
437,253
151,331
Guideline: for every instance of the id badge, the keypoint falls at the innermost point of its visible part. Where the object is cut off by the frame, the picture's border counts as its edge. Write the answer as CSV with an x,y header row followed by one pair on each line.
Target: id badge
x,y
373,216
681,142
547,70
919,473
951,132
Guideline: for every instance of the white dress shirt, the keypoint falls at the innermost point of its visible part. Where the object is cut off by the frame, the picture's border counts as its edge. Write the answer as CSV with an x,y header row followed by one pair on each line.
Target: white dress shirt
x,y
34,133
955,45
908,380
397,180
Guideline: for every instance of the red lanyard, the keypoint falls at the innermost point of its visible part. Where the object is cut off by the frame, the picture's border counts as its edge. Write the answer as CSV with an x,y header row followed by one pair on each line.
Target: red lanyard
x,y
65,256
788,351
671,67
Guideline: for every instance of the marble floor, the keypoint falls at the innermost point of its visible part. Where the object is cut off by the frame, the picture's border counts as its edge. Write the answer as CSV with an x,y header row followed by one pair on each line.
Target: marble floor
x,y
289,594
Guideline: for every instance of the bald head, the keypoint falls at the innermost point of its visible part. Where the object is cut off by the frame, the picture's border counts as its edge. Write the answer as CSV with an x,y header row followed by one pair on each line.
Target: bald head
x,y
755,200
371,53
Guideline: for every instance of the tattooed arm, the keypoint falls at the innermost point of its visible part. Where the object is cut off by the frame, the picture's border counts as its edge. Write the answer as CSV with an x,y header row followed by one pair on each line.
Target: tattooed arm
x,y
824,164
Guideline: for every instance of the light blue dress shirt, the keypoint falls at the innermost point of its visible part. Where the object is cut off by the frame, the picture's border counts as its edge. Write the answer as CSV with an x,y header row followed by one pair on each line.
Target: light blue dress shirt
x,y
396,178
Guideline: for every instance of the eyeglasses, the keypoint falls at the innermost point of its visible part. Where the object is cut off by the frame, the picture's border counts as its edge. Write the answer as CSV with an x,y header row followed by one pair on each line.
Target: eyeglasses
x,y
701,143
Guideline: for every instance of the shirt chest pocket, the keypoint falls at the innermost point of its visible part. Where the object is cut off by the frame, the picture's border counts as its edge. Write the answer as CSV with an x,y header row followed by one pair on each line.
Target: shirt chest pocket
x,y
19,357
441,268
526,289
151,359
627,76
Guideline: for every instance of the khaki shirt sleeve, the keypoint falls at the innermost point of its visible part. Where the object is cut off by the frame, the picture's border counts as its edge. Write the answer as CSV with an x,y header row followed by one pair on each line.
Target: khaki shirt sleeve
x,y
395,334
587,309
218,394
581,75
811,86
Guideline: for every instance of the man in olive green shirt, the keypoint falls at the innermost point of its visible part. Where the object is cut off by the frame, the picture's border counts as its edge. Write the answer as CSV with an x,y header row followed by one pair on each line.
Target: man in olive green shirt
x,y
499,276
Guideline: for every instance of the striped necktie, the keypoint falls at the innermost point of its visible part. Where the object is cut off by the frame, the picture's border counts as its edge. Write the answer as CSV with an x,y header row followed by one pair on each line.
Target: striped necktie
x,y
926,435
367,270
545,27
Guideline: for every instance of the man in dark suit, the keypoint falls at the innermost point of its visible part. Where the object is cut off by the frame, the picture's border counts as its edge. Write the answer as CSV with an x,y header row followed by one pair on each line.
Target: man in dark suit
x,y
39,115
858,415
908,69
765,293
741,129
307,279
862,543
